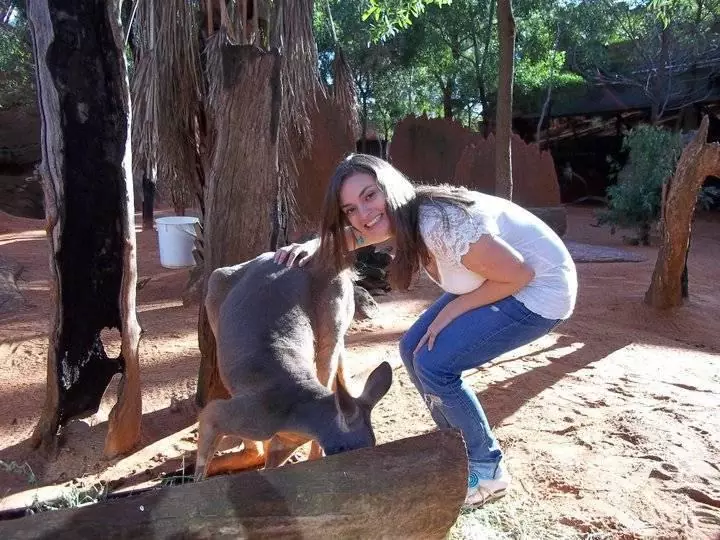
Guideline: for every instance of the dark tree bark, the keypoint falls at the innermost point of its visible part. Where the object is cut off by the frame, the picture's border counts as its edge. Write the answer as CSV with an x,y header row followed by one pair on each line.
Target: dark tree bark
x,y
698,161
84,105
503,153
148,202
447,92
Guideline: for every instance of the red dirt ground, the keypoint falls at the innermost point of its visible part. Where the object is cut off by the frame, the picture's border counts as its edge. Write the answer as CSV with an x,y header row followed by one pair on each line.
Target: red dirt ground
x,y
610,424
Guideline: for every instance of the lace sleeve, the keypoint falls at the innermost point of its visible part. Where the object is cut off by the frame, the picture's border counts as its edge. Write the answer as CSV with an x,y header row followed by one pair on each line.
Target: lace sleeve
x,y
448,230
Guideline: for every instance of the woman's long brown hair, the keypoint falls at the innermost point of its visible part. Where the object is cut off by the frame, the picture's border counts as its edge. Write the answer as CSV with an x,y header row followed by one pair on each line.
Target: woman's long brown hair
x,y
403,200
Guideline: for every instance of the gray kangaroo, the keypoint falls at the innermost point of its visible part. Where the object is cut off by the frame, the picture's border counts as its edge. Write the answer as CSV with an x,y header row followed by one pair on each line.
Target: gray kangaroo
x,y
280,340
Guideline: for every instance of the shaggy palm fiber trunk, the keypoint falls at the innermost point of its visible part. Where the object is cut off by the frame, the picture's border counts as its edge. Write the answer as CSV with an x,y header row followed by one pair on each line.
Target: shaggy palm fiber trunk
x,y
242,187
84,106
293,35
698,161
343,91
166,94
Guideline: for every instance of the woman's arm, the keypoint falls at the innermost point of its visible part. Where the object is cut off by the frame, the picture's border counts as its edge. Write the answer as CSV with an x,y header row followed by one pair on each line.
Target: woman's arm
x,y
505,273
503,268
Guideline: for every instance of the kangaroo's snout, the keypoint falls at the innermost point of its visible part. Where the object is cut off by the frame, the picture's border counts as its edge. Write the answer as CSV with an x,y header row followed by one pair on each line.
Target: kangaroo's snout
x,y
354,413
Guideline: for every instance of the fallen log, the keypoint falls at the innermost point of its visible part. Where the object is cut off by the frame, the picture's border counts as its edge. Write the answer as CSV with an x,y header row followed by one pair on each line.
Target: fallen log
x,y
413,487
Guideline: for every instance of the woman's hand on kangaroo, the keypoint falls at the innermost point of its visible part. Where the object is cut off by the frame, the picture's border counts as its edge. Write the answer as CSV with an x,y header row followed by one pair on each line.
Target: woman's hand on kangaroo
x,y
297,254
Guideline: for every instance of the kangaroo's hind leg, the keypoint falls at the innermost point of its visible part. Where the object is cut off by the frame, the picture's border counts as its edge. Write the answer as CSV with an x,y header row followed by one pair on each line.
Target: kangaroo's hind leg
x,y
251,456
225,417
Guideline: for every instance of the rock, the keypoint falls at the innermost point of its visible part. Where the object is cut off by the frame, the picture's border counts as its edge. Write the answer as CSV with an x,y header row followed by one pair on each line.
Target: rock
x,y
554,216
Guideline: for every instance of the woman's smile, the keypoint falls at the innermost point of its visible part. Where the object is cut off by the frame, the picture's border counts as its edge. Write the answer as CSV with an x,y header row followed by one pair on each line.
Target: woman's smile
x,y
364,205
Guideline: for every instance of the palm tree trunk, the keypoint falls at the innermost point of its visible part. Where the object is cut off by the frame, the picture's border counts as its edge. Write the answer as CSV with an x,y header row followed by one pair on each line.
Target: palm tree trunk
x,y
238,212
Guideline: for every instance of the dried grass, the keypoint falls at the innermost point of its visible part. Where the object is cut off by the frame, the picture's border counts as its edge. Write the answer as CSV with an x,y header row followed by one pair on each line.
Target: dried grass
x,y
521,519
343,91
166,93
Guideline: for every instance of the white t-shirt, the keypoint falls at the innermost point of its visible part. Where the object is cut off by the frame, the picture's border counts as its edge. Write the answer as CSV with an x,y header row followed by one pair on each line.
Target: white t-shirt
x,y
552,291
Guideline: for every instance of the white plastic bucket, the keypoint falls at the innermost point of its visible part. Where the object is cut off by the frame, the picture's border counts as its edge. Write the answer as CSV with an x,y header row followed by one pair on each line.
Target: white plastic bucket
x,y
176,236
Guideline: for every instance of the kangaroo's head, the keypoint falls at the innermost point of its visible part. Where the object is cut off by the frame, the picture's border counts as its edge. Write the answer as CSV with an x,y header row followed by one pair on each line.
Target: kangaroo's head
x,y
353,414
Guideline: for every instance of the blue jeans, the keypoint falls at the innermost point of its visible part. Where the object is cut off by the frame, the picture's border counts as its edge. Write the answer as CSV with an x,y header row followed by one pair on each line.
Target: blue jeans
x,y
471,340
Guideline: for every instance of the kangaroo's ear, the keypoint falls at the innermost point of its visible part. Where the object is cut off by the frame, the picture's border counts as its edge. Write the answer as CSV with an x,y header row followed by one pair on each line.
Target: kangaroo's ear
x,y
346,405
377,385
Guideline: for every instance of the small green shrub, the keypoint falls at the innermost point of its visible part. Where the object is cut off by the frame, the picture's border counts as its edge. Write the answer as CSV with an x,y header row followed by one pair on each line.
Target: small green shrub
x,y
634,202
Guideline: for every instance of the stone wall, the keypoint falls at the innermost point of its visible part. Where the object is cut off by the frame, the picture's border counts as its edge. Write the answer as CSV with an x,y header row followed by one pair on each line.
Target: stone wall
x,y
20,190
332,141
436,150
19,139
535,182
428,149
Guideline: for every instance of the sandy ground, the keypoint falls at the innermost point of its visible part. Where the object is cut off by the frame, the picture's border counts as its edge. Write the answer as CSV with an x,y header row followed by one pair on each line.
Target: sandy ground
x,y
610,424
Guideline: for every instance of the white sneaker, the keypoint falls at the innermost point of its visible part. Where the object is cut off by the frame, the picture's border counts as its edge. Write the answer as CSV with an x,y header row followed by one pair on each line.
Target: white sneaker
x,y
482,491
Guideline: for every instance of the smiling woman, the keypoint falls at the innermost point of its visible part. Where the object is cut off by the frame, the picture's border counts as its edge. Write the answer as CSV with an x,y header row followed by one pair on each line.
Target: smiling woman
x,y
363,204
508,280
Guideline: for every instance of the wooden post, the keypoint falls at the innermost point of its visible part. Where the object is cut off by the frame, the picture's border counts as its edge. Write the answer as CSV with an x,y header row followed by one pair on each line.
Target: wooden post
x,y
698,161
412,488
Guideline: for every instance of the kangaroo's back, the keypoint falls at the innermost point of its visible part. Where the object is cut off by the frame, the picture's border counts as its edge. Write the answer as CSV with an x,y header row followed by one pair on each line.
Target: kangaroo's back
x,y
279,334
265,328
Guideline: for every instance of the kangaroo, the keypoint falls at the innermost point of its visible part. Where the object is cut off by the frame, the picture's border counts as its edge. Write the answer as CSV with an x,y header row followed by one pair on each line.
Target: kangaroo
x,y
280,340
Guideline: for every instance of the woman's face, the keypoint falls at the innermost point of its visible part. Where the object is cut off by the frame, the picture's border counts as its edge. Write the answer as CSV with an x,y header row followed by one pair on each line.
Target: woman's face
x,y
364,204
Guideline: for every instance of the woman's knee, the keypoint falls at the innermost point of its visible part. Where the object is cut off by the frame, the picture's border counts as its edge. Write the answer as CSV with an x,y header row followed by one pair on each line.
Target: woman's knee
x,y
430,369
407,349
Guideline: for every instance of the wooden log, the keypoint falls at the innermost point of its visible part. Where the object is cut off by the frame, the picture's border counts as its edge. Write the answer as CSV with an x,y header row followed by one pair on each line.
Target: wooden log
x,y
411,488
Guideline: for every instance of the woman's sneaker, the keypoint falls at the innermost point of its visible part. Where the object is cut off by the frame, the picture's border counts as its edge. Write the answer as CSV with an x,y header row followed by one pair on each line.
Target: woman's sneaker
x,y
482,491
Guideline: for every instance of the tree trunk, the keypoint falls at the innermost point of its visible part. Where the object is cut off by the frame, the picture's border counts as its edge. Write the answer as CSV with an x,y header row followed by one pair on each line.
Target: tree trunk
x,y
411,488
698,160
503,152
447,92
363,136
84,105
148,201
546,105
480,61
242,187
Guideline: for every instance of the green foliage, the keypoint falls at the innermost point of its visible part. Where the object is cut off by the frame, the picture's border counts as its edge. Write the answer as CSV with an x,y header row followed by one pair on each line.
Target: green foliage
x,y
634,202
666,10
388,86
644,44
16,66
389,16
431,46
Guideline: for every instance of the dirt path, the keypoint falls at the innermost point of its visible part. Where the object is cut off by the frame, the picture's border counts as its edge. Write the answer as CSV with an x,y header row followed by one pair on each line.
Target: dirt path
x,y
610,424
